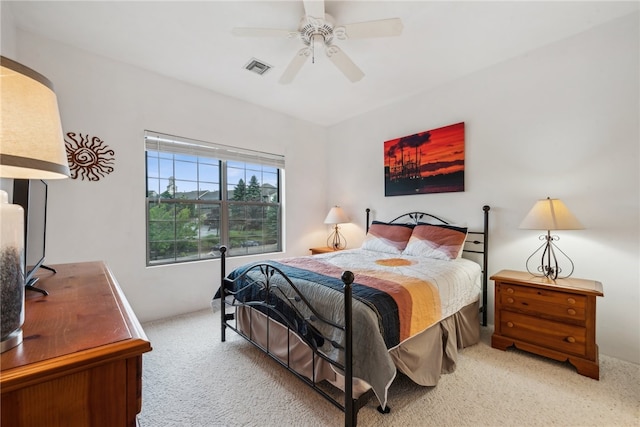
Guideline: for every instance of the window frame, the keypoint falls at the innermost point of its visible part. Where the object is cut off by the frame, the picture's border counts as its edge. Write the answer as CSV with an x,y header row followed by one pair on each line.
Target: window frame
x,y
222,154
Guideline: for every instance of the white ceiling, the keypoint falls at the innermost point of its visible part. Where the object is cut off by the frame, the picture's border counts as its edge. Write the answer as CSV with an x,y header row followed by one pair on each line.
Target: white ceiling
x,y
192,42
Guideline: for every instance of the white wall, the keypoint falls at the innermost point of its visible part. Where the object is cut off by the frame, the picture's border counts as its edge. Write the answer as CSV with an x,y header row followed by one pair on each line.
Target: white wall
x,y
7,49
8,37
105,220
561,121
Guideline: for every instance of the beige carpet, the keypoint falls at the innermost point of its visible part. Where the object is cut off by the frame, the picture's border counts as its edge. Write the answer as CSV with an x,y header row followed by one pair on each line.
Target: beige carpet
x,y
192,379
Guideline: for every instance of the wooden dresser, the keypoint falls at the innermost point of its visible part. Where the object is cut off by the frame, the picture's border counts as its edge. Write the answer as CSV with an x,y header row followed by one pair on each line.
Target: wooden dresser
x,y
80,363
552,318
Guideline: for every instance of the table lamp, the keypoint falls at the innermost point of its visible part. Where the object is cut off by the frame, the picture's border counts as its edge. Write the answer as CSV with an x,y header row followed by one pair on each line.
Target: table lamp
x,y
336,216
550,214
31,147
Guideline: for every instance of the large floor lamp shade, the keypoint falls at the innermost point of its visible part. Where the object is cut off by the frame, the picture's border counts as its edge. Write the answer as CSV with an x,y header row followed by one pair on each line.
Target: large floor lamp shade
x,y
31,147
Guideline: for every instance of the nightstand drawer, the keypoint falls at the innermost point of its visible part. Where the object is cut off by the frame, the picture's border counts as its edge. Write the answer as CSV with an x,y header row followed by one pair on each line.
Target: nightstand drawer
x,y
553,335
548,303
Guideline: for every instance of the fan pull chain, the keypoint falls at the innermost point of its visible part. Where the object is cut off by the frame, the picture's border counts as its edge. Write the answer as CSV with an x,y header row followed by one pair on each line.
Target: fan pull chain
x,y
313,49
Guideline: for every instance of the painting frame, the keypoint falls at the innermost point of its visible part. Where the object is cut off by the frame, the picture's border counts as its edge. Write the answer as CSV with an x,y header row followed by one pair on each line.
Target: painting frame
x,y
427,162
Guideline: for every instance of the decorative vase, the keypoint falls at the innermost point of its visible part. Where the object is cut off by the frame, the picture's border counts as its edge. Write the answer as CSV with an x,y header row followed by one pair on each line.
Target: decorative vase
x,y
11,272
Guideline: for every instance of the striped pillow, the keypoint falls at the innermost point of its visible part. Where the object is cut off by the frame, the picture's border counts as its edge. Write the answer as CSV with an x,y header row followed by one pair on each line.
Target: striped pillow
x,y
436,241
389,238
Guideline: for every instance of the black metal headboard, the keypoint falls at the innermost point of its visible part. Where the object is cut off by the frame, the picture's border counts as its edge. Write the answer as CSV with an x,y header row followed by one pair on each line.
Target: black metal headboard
x,y
477,243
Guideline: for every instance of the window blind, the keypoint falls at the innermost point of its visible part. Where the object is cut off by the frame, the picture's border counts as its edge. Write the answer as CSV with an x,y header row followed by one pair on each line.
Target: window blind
x,y
180,145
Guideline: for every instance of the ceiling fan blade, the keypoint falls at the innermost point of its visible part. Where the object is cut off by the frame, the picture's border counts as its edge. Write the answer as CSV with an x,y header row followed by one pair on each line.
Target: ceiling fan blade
x,y
344,63
314,8
381,28
263,32
295,65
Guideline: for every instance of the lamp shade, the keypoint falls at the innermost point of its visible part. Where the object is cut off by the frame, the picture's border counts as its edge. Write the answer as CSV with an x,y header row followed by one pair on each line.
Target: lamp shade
x,y
31,141
550,214
336,216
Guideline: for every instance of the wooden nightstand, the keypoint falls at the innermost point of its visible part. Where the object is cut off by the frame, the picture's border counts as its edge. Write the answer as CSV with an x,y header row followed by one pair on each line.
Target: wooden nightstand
x,y
323,250
552,318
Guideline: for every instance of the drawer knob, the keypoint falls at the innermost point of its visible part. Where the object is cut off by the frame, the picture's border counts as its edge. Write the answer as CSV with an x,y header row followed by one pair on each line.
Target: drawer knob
x,y
571,339
571,300
510,290
510,324
571,311
510,300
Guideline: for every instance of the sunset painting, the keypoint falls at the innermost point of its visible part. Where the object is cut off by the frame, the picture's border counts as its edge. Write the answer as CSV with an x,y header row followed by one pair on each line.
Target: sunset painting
x,y
426,162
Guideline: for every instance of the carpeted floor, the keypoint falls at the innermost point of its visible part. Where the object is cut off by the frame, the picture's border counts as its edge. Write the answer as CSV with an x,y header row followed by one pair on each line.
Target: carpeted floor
x,y
192,379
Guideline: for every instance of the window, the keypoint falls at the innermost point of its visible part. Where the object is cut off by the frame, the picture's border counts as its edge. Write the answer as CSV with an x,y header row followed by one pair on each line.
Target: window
x,y
201,196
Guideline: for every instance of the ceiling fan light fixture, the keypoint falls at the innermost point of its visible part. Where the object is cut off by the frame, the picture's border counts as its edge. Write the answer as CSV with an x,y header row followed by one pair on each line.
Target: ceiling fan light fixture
x,y
317,29
310,27
257,66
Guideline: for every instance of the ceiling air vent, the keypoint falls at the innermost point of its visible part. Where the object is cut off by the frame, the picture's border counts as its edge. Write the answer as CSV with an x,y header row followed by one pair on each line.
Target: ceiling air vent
x,y
257,67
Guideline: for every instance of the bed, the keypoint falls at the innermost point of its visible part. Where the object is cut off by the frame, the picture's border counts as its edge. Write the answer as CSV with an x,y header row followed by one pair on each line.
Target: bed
x,y
407,300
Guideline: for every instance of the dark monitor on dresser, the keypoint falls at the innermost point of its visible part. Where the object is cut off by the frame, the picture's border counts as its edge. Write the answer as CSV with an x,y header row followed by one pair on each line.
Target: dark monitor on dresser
x,y
32,195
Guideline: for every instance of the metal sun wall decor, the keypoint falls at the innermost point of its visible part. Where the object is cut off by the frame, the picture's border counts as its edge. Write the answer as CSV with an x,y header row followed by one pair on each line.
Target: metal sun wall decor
x,y
89,157
427,162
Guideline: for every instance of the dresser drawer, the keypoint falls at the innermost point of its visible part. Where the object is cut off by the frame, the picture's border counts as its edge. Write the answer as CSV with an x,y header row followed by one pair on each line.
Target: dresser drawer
x,y
549,303
546,333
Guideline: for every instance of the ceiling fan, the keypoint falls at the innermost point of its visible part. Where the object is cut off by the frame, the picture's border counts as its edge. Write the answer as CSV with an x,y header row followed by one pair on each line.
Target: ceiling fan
x,y
317,29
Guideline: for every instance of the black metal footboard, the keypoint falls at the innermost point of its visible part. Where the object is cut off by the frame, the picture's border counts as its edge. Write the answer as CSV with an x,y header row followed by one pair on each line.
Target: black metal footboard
x,y
265,288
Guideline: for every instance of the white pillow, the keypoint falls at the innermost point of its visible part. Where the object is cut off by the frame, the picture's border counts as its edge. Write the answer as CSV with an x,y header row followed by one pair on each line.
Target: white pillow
x,y
388,238
436,241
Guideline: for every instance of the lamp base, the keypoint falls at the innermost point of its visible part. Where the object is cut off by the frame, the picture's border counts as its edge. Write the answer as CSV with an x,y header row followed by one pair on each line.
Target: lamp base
x,y
12,340
336,240
548,262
